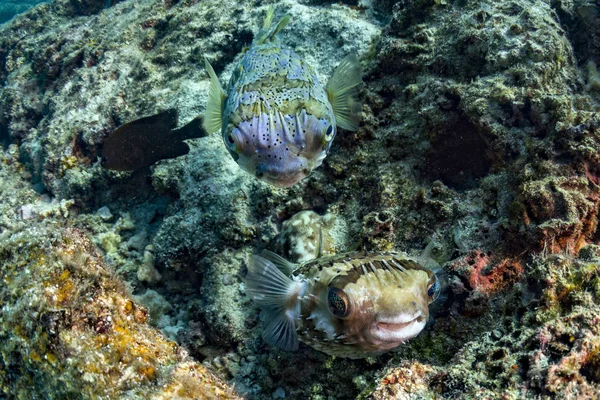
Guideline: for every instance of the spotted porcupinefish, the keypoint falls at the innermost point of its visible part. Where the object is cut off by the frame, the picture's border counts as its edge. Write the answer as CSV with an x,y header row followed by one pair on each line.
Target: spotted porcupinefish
x,y
352,305
276,119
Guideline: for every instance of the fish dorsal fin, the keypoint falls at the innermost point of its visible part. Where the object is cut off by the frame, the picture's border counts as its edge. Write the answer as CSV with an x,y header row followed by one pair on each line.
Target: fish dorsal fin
x,y
268,32
343,95
167,119
214,106
426,257
427,253
278,295
268,18
281,263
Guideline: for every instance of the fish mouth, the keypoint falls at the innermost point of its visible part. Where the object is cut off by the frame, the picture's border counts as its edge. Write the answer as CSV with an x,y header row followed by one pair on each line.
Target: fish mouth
x,y
281,177
284,180
400,328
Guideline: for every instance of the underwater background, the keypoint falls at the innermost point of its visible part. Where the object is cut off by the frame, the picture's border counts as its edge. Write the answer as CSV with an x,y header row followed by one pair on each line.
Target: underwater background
x,y
10,8
480,136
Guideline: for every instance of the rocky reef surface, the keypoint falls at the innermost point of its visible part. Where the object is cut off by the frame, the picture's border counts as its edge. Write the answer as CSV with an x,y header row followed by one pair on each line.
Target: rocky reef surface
x,y
480,134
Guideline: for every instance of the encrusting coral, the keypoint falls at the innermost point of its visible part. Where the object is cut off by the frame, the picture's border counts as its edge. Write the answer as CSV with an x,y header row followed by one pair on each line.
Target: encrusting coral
x,y
64,310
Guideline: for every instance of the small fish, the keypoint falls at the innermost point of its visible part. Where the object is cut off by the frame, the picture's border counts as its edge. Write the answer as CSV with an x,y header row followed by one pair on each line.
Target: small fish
x,y
276,119
143,142
351,305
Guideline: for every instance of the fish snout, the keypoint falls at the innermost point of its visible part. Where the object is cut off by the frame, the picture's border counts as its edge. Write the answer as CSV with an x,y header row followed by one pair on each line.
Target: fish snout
x,y
282,175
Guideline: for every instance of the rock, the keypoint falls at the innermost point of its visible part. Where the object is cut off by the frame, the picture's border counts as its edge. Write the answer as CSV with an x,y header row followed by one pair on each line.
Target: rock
x,y
104,213
306,236
77,318
279,393
146,271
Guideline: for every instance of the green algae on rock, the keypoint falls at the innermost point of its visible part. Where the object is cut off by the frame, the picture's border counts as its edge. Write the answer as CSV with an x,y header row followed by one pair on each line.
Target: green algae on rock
x,y
64,310
68,324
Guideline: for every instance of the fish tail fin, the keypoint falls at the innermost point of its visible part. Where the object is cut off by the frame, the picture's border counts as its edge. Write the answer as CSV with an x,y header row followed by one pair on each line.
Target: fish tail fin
x,y
214,107
275,293
343,95
192,130
177,149
268,32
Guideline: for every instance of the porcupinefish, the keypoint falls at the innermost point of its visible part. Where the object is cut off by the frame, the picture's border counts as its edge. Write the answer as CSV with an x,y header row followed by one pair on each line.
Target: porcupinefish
x,y
142,142
351,305
276,119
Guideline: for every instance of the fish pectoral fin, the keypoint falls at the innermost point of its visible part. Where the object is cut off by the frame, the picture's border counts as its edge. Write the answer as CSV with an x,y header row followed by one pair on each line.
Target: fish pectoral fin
x,y
278,296
267,285
280,330
343,95
216,98
281,263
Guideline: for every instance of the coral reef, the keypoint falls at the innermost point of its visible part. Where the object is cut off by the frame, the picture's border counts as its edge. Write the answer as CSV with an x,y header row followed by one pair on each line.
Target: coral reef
x,y
69,327
545,341
480,135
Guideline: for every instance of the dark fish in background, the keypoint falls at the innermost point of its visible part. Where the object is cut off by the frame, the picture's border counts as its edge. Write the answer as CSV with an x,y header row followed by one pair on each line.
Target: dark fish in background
x,y
140,143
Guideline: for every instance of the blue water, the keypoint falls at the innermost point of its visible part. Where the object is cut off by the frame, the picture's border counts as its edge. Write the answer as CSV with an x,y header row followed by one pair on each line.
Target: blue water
x,y
10,8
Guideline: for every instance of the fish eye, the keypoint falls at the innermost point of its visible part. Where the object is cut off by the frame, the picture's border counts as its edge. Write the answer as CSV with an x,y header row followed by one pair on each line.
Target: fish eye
x,y
434,287
329,131
338,302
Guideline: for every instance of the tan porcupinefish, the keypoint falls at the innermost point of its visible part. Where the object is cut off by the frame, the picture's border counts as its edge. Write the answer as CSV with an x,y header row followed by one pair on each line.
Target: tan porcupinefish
x,y
352,305
276,119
